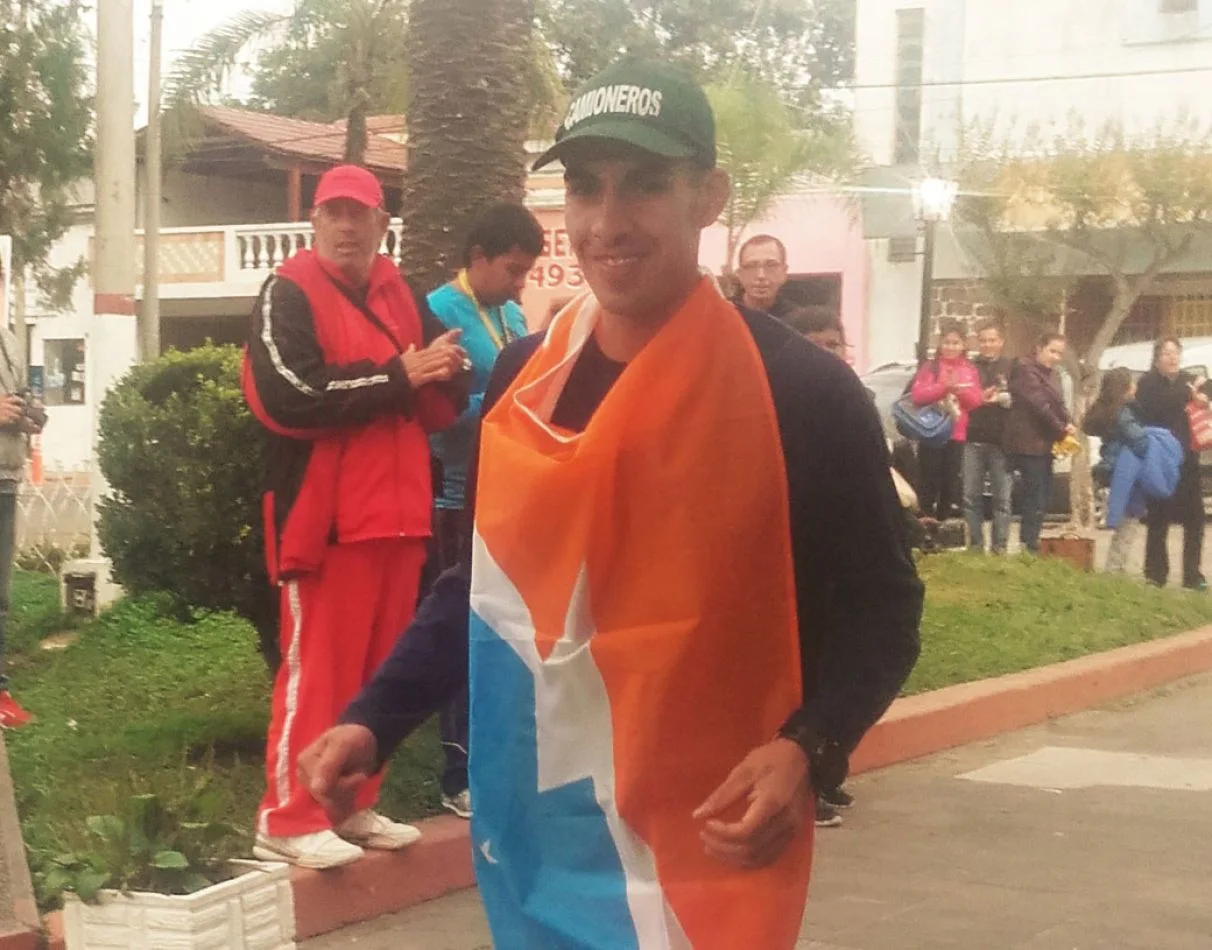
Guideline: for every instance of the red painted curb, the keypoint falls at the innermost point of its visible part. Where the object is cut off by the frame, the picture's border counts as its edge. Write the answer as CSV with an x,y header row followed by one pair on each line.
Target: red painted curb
x,y
385,882
20,940
929,723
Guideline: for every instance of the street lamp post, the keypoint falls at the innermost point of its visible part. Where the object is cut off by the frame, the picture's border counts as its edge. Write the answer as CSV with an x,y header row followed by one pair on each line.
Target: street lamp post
x,y
933,199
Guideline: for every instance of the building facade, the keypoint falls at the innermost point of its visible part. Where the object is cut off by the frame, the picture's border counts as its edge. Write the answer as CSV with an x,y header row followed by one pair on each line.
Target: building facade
x,y
931,73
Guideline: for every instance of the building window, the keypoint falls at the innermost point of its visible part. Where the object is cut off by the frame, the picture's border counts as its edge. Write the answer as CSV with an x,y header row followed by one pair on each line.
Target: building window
x,y
1179,6
63,373
910,30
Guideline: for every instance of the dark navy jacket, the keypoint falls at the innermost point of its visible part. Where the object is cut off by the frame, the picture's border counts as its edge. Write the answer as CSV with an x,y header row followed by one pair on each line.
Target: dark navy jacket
x,y
859,592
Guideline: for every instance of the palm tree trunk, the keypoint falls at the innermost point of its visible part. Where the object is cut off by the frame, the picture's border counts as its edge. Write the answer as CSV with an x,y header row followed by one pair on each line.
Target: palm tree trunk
x,y
356,137
467,122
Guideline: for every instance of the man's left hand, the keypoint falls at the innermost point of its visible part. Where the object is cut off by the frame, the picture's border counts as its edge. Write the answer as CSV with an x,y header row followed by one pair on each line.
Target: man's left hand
x,y
775,781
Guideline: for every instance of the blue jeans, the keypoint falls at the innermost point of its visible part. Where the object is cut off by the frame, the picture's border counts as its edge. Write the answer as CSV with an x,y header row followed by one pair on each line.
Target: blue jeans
x,y
979,460
1036,472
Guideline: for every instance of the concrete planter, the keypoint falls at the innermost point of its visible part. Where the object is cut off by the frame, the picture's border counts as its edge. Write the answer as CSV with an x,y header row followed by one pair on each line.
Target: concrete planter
x,y
254,911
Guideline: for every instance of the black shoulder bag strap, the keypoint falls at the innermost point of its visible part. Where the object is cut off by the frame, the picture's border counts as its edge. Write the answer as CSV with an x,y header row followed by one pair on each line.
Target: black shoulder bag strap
x,y
365,311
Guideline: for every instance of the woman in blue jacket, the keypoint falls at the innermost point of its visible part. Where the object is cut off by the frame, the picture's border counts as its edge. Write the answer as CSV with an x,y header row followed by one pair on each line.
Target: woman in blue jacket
x,y
1115,420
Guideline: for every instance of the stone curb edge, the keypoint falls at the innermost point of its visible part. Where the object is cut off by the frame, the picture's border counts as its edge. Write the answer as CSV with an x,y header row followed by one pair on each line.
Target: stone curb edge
x,y
916,726
12,853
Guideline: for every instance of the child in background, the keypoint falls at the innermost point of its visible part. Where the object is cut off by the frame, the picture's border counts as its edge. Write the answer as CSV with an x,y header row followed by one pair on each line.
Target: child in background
x,y
1114,419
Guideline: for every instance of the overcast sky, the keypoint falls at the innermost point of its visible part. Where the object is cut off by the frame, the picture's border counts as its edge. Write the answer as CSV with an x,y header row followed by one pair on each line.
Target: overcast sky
x,y
184,22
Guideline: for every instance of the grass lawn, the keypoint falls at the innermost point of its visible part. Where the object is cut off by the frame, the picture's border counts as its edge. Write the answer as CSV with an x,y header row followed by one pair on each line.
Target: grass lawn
x,y
989,616
145,702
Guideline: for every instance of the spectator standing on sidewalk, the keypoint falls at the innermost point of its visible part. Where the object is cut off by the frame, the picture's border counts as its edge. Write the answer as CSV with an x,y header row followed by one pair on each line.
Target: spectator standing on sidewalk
x,y
1114,419
823,326
1038,419
949,378
347,372
984,456
482,304
761,268
820,324
20,417
1162,396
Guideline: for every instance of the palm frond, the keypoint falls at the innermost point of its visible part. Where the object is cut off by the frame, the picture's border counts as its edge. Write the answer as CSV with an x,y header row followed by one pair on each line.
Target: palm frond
x,y
199,73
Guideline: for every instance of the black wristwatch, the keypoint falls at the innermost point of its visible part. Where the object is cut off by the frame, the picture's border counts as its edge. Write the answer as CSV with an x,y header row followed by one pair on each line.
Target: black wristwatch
x,y
829,764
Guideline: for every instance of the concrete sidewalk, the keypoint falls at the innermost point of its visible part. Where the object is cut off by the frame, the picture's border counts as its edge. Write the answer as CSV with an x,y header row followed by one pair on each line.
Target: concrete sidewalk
x,y
1019,857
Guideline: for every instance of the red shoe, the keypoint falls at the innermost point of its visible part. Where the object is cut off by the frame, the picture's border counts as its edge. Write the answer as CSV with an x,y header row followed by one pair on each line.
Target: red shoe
x,y
12,715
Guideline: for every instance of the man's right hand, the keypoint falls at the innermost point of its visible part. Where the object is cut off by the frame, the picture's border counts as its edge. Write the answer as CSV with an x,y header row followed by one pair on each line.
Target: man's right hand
x,y
12,408
335,766
439,362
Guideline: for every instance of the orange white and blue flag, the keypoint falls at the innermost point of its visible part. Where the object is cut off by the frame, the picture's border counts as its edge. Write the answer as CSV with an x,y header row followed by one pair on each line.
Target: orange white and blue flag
x,y
633,638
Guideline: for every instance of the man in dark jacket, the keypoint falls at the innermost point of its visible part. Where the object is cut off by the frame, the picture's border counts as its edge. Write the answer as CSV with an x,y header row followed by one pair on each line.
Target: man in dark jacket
x,y
761,267
983,452
639,152
1162,396
347,372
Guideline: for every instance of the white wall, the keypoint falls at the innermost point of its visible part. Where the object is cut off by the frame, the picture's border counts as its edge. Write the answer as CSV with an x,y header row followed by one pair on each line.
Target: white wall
x,y
67,440
978,41
893,306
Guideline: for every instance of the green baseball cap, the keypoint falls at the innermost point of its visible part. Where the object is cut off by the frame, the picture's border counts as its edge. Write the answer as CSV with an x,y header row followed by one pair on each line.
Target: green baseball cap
x,y
651,106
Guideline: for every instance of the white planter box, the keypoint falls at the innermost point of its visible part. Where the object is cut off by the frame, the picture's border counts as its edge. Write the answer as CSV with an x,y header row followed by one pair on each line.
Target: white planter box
x,y
255,911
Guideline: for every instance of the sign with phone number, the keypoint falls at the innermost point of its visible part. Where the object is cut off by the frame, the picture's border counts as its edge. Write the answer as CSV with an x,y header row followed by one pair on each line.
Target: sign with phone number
x,y
555,275
557,267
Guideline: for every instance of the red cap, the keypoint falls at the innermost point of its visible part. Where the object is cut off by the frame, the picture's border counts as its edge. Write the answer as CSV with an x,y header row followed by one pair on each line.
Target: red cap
x,y
350,181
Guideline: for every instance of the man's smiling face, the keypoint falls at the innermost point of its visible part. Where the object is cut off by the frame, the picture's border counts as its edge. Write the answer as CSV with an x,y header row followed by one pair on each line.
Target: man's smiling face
x,y
634,221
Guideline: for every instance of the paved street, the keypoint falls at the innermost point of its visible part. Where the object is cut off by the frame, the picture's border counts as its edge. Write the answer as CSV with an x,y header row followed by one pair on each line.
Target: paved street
x,y
996,846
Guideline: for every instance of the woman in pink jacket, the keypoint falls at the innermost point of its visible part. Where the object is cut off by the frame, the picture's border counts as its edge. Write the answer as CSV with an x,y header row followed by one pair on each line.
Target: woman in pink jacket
x,y
951,378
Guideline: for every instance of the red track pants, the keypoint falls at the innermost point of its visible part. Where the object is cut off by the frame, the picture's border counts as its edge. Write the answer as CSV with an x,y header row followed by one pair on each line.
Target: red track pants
x,y
337,626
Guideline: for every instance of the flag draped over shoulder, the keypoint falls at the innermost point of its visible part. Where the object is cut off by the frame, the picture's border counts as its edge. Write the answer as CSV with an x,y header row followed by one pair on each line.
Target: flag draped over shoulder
x,y
633,638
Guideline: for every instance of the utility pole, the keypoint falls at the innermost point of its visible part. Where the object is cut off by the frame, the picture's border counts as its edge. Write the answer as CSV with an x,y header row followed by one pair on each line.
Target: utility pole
x,y
149,313
926,305
112,342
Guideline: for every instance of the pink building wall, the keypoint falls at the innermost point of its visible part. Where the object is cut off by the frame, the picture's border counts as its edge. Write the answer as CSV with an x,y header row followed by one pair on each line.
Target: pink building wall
x,y
824,235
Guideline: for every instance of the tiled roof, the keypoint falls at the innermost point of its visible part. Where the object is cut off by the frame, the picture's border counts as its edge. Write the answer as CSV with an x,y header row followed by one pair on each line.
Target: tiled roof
x,y
314,141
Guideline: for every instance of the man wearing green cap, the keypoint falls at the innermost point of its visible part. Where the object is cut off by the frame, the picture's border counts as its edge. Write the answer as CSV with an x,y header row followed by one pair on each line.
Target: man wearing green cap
x,y
689,591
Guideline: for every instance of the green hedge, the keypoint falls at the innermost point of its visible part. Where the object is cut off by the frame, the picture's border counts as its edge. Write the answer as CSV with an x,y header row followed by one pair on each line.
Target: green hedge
x,y
183,458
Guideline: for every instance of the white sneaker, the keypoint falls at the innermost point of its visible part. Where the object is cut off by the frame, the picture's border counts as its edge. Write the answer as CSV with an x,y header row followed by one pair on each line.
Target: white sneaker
x,y
371,830
319,850
458,804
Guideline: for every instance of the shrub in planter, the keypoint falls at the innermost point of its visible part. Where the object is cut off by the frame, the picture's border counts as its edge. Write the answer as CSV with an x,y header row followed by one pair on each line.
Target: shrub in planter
x,y
151,878
149,848
183,458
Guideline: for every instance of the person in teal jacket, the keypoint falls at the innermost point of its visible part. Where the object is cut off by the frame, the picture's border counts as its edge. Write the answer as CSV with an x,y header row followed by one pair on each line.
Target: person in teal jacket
x,y
482,302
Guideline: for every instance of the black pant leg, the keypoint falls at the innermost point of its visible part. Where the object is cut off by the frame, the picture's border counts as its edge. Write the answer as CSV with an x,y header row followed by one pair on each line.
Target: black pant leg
x,y
1157,557
1192,516
930,460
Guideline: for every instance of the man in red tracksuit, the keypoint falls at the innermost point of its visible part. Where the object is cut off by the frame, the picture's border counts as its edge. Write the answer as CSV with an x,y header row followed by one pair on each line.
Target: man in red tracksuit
x,y
348,371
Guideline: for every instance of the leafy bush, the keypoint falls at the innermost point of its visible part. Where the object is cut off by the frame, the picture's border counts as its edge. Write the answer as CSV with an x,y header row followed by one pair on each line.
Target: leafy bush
x,y
183,458
148,848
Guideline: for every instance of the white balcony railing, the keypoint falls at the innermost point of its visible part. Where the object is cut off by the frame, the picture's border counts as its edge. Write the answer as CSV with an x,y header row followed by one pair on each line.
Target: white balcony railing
x,y
262,247
233,260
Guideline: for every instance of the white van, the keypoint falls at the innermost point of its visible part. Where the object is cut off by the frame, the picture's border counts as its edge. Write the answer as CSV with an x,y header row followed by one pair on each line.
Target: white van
x,y
1138,357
